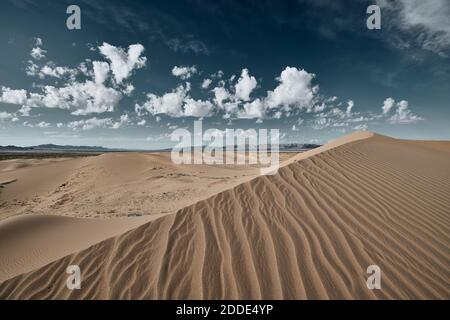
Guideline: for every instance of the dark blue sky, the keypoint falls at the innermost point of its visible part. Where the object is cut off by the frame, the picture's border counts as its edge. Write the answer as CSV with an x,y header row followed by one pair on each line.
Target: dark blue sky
x,y
314,70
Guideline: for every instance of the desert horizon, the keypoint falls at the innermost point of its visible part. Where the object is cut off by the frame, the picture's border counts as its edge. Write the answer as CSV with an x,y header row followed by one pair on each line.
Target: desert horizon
x,y
208,159
308,232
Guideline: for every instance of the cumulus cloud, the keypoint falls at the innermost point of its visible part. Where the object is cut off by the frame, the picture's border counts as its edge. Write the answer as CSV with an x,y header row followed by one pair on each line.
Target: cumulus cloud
x,y
122,63
251,110
101,70
232,98
403,114
220,95
56,71
13,96
197,108
295,89
81,97
387,105
38,53
245,85
170,103
177,103
184,72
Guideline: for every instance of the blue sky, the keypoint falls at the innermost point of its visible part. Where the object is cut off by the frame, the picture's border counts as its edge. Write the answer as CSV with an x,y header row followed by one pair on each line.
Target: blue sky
x,y
138,70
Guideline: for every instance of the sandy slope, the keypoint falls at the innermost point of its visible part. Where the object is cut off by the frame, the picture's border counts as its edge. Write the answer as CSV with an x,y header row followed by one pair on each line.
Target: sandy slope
x,y
308,232
30,242
111,185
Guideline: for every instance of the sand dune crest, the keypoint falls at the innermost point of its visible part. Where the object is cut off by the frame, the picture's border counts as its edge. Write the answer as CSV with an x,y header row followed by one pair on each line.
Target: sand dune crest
x,y
309,232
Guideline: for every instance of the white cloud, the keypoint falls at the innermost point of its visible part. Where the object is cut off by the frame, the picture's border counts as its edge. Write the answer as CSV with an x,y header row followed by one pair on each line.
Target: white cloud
x,y
6,116
83,98
221,94
124,119
90,96
245,85
43,124
184,72
142,122
38,53
295,89
38,42
25,110
319,107
13,96
403,115
321,123
50,70
206,83
197,108
123,63
251,110
217,75
128,89
170,103
361,127
90,124
101,70
350,105
176,104
387,105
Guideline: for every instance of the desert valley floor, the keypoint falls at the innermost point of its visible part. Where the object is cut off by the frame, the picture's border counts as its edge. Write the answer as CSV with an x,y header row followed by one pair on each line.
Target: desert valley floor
x,y
141,227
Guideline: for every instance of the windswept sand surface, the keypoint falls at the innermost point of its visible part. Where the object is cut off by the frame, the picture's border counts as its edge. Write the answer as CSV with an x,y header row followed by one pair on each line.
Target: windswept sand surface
x,y
309,232
30,242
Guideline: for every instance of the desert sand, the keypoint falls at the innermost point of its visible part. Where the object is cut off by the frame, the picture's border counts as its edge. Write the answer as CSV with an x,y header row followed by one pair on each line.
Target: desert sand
x,y
111,185
309,232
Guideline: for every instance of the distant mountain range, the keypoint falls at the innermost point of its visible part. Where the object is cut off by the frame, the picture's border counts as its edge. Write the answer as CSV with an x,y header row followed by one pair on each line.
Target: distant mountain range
x,y
67,148
53,148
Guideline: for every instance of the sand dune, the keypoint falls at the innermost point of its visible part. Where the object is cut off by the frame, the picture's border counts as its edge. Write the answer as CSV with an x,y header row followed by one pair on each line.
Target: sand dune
x,y
112,185
309,232
30,242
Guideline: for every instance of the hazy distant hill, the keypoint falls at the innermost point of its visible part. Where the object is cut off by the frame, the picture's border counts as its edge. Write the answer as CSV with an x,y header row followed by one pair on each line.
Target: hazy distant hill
x,y
53,148
67,148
